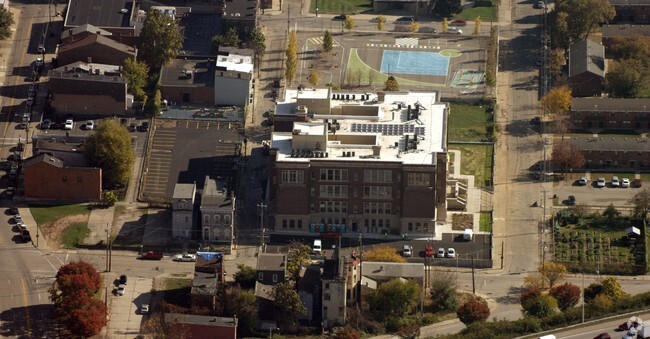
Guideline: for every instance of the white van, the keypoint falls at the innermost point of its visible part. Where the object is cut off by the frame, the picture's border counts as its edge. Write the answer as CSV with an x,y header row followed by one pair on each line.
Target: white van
x,y
548,336
318,247
468,235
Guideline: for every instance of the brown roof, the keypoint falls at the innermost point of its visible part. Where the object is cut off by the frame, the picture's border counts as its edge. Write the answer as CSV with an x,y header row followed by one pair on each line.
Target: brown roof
x,y
586,56
271,262
610,104
95,38
43,157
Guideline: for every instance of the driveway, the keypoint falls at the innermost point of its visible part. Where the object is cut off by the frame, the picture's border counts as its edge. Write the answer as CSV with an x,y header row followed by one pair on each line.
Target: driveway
x,y
125,318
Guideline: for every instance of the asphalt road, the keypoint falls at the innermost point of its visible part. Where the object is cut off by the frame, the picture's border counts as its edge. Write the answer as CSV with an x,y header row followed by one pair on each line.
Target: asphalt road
x,y
591,331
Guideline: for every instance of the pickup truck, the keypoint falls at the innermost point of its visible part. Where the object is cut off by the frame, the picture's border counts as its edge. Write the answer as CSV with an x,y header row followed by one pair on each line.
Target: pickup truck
x,y
151,255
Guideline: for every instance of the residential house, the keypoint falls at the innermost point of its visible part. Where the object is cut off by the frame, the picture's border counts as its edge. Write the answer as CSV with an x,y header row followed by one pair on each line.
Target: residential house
x,y
233,77
360,163
340,289
631,11
183,211
95,48
376,273
48,178
74,92
271,268
189,80
201,326
217,212
615,153
610,114
586,68
71,153
80,32
209,274
119,17
309,291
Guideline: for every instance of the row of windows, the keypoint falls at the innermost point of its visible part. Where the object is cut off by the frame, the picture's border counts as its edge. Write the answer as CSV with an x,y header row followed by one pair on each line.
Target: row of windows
x,y
415,179
331,174
293,177
378,192
418,179
333,207
290,223
376,207
418,226
378,175
216,219
334,191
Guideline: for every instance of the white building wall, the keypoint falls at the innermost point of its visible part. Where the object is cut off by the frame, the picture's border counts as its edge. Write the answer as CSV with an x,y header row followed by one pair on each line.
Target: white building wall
x,y
231,91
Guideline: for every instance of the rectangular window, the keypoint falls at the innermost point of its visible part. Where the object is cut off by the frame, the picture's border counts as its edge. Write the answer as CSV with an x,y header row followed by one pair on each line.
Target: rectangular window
x,y
79,179
334,191
326,296
293,177
226,219
260,276
377,192
275,277
376,208
419,179
329,174
378,175
292,224
284,223
299,223
333,207
206,219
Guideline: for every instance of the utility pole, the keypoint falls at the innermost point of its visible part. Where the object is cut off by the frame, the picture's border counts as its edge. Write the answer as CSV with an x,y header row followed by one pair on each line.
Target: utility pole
x,y
288,19
107,248
583,296
473,281
110,255
502,254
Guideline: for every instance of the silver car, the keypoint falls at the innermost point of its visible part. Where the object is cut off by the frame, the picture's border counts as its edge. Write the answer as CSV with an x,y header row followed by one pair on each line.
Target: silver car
x,y
120,289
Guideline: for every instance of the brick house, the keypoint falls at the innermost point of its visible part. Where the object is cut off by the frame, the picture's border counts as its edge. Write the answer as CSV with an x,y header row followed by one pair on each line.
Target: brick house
x,y
631,11
217,212
201,326
95,48
189,80
610,114
619,153
88,94
47,178
271,268
345,171
586,68
209,274
80,32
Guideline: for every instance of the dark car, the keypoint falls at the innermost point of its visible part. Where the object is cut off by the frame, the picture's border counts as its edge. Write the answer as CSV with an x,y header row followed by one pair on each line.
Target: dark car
x,y
461,23
25,236
56,125
405,20
46,124
144,127
123,279
13,210
133,127
124,121
571,201
603,336
535,121
341,17
637,183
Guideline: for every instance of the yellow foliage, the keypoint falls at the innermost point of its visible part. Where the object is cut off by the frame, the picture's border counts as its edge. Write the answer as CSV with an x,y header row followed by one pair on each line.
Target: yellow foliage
x,y
556,101
383,254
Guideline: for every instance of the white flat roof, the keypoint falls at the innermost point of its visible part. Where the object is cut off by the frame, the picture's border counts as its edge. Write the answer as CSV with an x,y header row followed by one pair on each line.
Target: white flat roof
x,y
236,62
390,127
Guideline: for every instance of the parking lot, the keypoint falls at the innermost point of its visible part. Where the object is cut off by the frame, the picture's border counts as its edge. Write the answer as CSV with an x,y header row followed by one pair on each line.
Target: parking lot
x,y
592,195
184,151
125,317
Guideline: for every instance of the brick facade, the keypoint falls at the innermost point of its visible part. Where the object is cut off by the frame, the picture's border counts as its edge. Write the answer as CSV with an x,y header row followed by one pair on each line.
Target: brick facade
x,y
610,114
47,179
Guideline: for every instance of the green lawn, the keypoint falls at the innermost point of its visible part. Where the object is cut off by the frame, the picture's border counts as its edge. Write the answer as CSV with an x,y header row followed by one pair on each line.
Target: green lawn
x,y
486,14
177,291
467,122
46,214
340,6
485,222
74,234
476,160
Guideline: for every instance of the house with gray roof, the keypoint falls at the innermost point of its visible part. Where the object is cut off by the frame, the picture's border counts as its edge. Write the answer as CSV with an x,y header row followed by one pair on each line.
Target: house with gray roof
x,y
183,210
95,48
622,153
271,268
374,274
586,68
617,114
115,16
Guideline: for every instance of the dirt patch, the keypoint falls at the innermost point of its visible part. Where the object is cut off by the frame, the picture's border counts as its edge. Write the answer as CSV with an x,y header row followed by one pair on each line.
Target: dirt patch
x,y
460,222
53,231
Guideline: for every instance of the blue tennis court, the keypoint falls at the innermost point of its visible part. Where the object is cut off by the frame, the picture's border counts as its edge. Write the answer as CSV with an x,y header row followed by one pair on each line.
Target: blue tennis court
x,y
407,62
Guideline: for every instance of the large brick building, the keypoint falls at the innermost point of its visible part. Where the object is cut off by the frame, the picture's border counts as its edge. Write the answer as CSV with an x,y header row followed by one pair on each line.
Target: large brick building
x,y
88,93
619,153
359,163
610,114
47,178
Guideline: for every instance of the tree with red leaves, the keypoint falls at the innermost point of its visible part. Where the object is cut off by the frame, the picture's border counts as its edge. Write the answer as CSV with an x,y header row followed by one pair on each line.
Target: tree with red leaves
x,y
473,311
567,295
73,297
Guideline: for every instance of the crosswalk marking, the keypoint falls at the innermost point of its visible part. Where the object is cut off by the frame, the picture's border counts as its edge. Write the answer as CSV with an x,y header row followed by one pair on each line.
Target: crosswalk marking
x,y
407,41
319,41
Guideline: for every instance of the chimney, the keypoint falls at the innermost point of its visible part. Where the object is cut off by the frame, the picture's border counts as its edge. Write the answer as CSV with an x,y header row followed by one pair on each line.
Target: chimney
x,y
376,150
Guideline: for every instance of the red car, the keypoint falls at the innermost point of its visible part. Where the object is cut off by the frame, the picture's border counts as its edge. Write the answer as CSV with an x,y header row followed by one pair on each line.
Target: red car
x,y
458,23
428,251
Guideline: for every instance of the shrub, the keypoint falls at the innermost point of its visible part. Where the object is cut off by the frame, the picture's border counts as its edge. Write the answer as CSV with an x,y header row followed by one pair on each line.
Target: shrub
x,y
528,295
473,311
347,332
567,295
542,306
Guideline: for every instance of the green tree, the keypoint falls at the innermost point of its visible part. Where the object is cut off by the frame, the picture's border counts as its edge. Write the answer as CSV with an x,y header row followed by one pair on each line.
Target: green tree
x,y
299,256
443,292
391,84
110,149
446,8
641,203
473,311
136,73
152,107
381,21
394,298
292,57
541,306
6,21
258,40
612,288
287,305
567,295
583,16
328,41
625,78
611,212
349,23
246,276
634,47
243,304
110,198
231,39
314,78
477,25
160,39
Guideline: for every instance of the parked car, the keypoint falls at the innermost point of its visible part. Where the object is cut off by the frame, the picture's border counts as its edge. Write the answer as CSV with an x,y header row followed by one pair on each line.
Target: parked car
x,y
341,17
18,219
625,182
39,62
451,253
428,251
13,210
603,336
133,127
600,182
26,236
30,101
185,257
124,121
571,201
407,251
123,279
144,127
152,255
120,289
441,253
405,20
615,182
426,29
56,125
68,125
454,30
637,183
458,23
46,124
90,125
21,228
582,181
540,4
